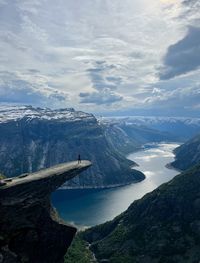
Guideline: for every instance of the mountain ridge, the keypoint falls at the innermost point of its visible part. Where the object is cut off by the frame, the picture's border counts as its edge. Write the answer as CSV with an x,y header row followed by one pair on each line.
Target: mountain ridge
x,y
181,128
188,154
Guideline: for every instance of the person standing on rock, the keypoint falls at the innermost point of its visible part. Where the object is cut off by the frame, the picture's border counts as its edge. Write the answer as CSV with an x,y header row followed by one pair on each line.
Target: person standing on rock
x,y
79,158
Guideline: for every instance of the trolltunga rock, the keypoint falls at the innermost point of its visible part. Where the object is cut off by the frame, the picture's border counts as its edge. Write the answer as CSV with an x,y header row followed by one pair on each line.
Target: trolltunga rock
x,y
30,229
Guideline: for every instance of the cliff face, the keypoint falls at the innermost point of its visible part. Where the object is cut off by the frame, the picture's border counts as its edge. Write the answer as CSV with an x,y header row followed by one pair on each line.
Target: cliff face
x,y
34,138
30,230
164,226
188,154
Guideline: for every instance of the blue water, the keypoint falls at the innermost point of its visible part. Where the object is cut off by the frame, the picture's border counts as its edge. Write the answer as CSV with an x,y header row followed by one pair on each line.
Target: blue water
x,y
91,207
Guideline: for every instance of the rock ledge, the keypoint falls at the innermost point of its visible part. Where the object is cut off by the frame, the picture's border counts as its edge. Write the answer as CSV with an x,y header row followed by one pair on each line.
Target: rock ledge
x,y
30,230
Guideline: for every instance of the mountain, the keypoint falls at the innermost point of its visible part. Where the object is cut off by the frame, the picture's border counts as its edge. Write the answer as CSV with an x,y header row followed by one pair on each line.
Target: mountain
x,y
179,128
35,138
128,137
188,154
163,226
119,139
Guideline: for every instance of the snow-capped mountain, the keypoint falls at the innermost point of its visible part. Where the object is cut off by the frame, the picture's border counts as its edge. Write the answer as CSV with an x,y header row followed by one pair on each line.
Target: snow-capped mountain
x,y
14,113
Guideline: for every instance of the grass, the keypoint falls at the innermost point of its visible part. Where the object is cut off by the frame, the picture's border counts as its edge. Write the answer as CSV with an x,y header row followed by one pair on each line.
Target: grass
x,y
79,252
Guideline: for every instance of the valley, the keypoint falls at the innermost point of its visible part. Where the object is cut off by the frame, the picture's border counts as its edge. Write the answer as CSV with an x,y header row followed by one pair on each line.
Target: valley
x,y
121,197
89,207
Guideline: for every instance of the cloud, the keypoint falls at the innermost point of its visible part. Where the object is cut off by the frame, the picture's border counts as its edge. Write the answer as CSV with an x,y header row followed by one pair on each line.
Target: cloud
x,y
181,98
105,97
14,89
96,55
193,8
184,56
101,76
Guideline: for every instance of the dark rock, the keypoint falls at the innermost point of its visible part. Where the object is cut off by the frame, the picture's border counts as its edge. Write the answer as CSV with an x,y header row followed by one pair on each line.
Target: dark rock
x,y
30,229
188,154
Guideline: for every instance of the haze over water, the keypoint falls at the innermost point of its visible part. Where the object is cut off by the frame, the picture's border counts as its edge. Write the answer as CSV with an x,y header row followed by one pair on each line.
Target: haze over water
x,y
90,207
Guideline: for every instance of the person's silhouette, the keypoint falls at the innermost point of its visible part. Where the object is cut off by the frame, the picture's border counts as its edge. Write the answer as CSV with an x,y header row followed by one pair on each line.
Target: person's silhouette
x,y
79,158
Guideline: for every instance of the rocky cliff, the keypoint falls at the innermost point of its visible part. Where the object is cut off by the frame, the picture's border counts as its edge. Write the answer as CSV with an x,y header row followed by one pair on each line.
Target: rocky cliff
x,y
30,230
35,138
163,226
188,154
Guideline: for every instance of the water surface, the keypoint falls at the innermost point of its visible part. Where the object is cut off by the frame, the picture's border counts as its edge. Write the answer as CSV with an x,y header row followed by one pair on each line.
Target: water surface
x,y
88,207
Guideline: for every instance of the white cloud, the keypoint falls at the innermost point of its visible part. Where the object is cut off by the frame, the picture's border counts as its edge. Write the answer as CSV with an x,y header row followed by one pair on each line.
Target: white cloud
x,y
85,47
31,89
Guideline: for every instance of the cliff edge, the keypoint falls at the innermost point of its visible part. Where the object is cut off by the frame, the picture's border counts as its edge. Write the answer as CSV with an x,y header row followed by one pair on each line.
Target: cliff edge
x,y
30,230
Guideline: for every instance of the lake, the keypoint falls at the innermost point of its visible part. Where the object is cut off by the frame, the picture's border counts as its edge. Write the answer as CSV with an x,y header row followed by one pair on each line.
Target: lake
x,y
89,207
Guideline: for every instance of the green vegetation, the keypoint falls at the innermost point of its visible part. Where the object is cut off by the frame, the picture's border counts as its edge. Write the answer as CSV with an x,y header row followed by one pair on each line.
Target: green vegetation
x,y
79,252
2,176
163,226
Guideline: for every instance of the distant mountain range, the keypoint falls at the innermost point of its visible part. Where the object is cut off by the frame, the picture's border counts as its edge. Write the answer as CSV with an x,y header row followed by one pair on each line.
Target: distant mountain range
x,y
188,154
180,128
131,137
163,226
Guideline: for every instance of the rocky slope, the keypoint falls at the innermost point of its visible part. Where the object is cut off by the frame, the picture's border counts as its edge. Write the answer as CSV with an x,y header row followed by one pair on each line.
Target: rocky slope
x,y
188,154
163,226
35,138
30,230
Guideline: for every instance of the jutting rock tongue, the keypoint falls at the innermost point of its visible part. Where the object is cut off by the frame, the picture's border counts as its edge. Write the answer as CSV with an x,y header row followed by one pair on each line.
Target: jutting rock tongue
x,y
30,230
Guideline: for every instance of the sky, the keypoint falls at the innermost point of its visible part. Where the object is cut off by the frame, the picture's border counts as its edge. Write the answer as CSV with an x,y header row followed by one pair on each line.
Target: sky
x,y
108,57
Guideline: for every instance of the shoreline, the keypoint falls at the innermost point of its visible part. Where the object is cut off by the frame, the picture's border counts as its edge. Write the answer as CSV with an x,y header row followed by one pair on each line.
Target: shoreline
x,y
103,187
171,167
109,196
135,165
